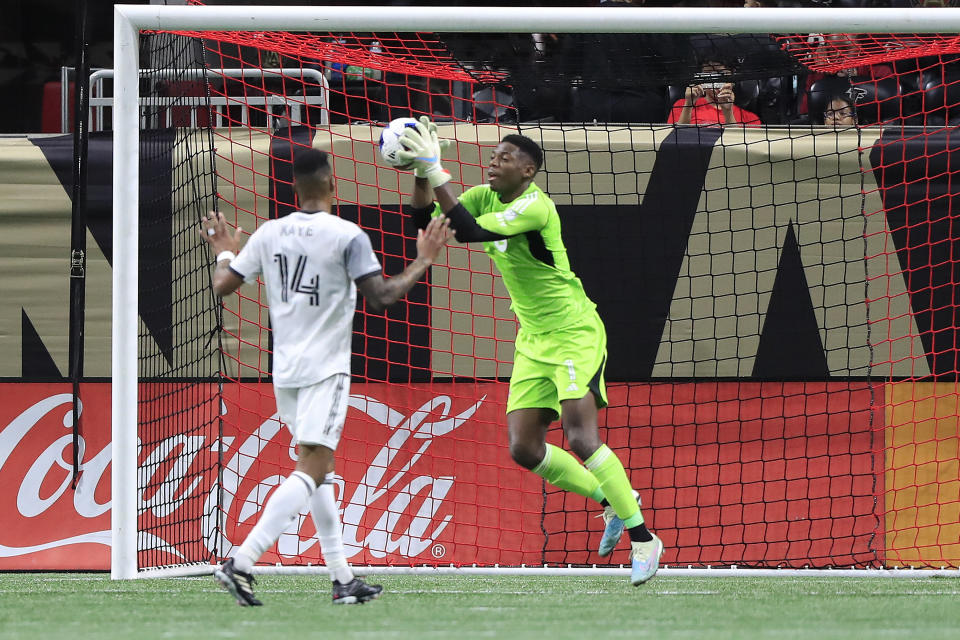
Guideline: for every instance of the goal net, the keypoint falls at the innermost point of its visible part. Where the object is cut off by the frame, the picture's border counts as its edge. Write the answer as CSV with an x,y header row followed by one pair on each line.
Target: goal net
x,y
777,276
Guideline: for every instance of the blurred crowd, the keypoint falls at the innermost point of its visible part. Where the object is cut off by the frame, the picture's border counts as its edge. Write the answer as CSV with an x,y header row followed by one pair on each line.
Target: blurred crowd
x,y
701,79
683,79
748,80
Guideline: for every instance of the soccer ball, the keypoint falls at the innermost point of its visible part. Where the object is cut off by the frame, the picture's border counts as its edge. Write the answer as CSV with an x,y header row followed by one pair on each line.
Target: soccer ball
x,y
390,143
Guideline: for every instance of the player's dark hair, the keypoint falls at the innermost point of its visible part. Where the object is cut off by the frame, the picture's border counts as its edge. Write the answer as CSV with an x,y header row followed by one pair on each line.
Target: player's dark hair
x,y
528,146
307,162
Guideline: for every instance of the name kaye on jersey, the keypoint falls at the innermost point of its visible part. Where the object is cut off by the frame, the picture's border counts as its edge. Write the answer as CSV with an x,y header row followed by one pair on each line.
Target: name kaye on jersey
x,y
291,230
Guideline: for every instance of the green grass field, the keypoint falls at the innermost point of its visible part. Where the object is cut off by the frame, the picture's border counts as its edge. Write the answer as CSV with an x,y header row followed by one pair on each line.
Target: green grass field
x,y
69,606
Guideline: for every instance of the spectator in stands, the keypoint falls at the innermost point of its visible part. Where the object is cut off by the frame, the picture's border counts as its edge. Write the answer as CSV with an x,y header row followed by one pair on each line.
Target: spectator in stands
x,y
710,101
842,47
841,112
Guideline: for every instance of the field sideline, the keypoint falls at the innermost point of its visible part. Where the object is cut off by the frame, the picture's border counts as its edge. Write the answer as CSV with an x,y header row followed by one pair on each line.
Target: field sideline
x,y
73,605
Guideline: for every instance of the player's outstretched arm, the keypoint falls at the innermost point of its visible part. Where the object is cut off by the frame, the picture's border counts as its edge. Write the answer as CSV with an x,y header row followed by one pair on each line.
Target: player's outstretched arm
x,y
380,292
422,205
225,244
423,151
422,196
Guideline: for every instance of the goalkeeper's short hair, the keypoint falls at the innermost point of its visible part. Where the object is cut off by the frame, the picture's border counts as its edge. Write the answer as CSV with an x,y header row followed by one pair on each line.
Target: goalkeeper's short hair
x,y
528,146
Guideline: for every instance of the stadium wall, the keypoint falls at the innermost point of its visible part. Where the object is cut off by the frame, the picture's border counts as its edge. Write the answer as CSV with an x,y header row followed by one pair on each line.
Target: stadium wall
x,y
786,200
808,193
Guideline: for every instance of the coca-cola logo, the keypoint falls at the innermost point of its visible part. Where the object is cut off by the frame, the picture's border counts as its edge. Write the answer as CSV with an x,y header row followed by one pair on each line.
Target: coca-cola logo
x,y
394,501
397,530
46,480
48,453
423,529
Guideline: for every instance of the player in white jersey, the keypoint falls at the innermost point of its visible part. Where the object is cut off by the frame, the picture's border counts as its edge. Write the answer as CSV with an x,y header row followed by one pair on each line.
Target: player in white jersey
x,y
312,264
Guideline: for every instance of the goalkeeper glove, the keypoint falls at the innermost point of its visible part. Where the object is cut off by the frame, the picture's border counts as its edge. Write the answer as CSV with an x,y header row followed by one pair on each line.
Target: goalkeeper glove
x,y
443,142
422,148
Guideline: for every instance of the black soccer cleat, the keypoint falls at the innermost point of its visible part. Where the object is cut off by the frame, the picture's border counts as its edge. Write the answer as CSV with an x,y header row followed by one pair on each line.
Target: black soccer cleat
x,y
238,583
355,592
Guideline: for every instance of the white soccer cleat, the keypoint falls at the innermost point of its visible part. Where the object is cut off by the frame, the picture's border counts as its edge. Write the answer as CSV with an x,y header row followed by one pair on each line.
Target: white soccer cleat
x,y
613,530
644,560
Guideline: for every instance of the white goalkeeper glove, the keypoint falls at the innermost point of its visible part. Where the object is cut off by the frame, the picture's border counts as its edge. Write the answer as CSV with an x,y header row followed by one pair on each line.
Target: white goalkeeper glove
x,y
423,149
443,142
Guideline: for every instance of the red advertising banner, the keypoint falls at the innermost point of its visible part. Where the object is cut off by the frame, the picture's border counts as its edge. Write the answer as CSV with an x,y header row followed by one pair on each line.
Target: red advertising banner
x,y
423,476
738,473
46,524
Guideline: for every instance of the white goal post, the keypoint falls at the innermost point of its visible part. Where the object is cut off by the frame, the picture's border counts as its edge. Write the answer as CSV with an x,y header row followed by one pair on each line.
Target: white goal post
x,y
129,20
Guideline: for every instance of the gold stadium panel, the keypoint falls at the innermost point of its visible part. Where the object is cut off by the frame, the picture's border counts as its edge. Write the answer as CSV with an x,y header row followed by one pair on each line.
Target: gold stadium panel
x,y
759,184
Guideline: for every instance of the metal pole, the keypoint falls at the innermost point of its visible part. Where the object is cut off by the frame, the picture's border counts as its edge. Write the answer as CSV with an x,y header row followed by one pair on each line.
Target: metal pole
x,y
126,168
78,227
64,99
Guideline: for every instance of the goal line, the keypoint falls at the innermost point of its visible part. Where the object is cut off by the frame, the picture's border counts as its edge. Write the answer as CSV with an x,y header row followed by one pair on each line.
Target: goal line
x,y
613,571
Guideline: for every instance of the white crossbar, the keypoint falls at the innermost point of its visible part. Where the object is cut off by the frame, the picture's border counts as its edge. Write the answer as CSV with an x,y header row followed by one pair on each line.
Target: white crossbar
x,y
535,19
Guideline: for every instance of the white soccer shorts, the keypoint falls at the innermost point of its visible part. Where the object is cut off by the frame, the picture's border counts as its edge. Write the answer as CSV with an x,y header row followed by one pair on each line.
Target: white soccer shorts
x,y
315,414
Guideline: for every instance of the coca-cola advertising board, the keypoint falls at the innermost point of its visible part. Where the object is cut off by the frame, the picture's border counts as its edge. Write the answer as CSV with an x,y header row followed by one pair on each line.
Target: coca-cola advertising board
x,y
729,472
423,477
46,524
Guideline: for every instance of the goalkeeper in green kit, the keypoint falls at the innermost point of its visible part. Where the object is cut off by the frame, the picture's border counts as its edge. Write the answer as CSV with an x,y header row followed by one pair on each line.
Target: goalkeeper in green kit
x,y
561,346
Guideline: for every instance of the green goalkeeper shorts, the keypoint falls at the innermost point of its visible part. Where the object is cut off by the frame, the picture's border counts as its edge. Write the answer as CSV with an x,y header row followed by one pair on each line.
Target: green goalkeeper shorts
x,y
565,364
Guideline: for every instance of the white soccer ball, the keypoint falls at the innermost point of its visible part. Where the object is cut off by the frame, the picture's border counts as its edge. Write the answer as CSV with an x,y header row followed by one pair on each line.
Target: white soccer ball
x,y
390,143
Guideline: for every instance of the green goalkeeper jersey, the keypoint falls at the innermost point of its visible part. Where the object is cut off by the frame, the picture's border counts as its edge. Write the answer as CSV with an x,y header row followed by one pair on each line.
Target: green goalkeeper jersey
x,y
545,294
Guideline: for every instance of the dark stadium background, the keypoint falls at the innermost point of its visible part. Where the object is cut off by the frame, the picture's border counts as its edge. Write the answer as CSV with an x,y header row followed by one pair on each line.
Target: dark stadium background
x,y
37,38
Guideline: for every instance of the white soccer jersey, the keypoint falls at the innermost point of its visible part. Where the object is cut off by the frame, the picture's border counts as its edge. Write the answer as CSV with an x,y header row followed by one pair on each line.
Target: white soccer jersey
x,y
309,262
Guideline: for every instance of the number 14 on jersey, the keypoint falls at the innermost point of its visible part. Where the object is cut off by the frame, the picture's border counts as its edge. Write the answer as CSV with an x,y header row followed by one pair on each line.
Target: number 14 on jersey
x,y
294,284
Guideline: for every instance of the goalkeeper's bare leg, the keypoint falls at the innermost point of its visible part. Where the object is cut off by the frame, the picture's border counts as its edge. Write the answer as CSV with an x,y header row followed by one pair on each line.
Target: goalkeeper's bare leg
x,y
529,448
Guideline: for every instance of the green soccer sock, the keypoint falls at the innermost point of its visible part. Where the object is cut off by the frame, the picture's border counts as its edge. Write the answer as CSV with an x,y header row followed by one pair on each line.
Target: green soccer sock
x,y
561,469
608,470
